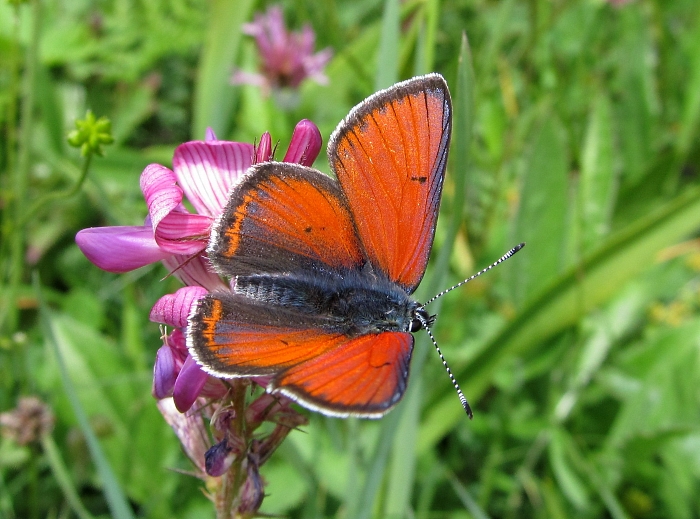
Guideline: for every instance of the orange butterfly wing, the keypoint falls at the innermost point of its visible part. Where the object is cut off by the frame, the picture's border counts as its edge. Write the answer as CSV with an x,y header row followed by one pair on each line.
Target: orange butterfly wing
x,y
365,376
234,336
389,155
285,217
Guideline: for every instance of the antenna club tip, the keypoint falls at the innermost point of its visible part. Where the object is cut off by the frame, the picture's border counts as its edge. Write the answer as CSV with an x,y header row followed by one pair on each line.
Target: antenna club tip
x,y
518,247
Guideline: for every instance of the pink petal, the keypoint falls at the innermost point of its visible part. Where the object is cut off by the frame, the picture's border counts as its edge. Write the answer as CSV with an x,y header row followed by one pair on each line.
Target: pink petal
x,y
305,144
188,385
120,248
178,344
240,77
193,271
183,233
210,135
160,189
173,309
263,152
206,171
163,373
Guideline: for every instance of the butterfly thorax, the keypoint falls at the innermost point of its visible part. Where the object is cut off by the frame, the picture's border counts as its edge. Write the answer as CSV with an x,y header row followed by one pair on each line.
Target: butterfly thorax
x,y
355,303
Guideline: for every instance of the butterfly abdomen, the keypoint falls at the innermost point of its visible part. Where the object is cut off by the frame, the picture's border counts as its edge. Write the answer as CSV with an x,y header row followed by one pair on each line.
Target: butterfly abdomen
x,y
351,304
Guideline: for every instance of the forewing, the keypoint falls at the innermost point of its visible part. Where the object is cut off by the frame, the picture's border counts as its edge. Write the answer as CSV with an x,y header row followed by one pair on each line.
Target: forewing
x,y
285,218
389,155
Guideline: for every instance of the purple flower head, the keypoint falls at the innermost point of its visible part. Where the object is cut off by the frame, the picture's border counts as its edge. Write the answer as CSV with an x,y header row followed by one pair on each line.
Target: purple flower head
x,y
203,173
287,57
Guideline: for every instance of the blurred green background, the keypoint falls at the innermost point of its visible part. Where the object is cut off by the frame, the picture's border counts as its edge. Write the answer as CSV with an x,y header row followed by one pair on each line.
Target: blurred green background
x,y
575,130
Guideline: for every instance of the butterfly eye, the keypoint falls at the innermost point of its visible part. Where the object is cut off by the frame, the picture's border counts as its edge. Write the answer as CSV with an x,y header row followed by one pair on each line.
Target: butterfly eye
x,y
416,325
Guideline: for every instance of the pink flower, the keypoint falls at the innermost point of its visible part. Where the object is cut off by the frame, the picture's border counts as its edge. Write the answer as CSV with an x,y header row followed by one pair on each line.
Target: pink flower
x,y
287,58
204,173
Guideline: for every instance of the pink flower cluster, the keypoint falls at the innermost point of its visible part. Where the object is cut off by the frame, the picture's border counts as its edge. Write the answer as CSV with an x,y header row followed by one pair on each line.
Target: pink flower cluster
x,y
203,173
286,58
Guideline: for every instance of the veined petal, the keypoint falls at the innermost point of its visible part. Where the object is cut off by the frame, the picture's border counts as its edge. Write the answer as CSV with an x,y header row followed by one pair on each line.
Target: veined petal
x,y
121,248
173,309
188,385
160,189
193,271
305,144
190,430
207,170
183,233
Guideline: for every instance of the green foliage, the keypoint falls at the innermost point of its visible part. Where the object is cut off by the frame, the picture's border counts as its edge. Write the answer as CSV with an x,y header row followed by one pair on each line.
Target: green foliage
x,y
577,128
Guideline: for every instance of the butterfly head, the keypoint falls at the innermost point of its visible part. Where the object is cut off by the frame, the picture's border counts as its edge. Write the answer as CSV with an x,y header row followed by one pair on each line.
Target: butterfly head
x,y
421,319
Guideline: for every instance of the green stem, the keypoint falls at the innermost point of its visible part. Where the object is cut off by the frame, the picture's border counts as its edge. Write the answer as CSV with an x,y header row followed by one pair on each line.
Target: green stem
x,y
227,501
45,200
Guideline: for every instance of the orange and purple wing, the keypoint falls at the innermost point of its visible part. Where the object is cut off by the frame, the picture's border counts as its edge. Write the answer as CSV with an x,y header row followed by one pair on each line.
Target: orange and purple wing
x,y
233,336
389,155
285,218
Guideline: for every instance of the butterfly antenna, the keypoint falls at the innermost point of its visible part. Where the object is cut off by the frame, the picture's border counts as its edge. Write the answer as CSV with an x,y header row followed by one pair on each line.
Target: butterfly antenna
x,y
500,260
461,396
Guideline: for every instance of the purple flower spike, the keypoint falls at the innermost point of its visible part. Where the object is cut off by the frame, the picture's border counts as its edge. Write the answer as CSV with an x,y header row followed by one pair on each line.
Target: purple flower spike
x,y
305,144
287,58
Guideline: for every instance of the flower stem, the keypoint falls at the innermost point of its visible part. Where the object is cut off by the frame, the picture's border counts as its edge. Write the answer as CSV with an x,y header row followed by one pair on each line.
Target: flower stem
x,y
228,499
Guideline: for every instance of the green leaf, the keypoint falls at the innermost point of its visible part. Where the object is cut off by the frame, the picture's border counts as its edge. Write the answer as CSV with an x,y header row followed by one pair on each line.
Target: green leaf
x,y
569,481
597,187
541,221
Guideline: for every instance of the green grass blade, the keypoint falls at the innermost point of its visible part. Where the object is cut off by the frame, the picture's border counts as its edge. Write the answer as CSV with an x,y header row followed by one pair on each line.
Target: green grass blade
x,y
387,60
541,222
116,500
60,472
214,95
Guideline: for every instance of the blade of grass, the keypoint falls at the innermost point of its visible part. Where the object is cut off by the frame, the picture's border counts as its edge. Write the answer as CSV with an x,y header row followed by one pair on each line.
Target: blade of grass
x,y
214,96
569,296
387,63
60,472
116,500
402,474
386,75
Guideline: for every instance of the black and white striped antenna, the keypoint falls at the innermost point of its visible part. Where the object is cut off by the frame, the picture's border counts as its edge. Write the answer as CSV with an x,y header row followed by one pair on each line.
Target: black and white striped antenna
x,y
464,282
424,322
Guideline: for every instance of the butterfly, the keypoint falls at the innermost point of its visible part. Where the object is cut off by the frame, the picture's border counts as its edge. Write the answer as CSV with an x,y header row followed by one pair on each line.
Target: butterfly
x,y
323,269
